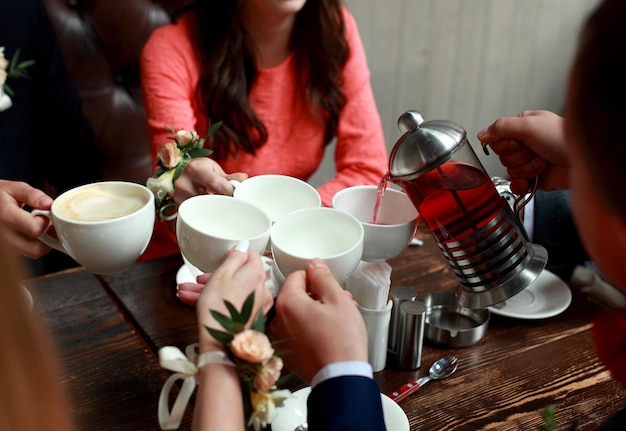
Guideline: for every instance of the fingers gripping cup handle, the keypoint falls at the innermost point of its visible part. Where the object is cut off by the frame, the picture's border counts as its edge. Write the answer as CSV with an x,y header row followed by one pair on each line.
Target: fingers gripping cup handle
x,y
45,237
174,214
104,226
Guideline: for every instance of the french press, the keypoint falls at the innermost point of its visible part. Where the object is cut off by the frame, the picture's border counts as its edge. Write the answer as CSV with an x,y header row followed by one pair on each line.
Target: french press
x,y
483,241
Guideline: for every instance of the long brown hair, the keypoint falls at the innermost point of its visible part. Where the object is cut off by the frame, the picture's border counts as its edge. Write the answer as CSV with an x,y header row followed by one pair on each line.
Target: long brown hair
x,y
229,69
31,398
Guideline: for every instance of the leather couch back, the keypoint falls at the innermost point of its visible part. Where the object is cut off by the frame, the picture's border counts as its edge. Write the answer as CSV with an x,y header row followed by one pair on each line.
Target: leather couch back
x,y
101,41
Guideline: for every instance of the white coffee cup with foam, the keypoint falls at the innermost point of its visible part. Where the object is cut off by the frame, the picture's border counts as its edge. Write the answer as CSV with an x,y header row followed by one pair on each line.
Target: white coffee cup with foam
x,y
104,226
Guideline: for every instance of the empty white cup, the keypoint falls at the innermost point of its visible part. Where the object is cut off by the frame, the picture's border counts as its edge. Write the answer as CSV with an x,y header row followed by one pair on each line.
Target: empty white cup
x,y
325,233
396,224
277,195
209,226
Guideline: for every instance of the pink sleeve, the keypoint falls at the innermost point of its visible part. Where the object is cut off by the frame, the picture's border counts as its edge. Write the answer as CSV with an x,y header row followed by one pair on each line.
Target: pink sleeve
x,y
168,76
361,154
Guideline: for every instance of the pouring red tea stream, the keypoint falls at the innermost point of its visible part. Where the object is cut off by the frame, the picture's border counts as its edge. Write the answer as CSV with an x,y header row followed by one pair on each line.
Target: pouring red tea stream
x,y
454,200
380,194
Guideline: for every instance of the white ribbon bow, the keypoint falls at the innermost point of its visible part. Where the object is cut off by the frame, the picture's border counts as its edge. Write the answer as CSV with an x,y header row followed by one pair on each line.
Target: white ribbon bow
x,y
185,367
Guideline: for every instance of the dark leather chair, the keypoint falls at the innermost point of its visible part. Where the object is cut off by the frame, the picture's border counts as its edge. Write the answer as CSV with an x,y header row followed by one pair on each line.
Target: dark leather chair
x,y
101,41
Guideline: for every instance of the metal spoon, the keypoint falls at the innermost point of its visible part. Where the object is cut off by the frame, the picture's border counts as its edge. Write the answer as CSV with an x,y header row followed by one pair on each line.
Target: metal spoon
x,y
440,369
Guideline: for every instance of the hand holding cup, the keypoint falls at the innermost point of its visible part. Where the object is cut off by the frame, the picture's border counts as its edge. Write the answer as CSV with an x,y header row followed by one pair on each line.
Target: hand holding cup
x,y
104,226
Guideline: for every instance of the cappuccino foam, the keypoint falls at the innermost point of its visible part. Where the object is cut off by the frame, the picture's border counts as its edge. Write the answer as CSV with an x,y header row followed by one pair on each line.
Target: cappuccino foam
x,y
99,203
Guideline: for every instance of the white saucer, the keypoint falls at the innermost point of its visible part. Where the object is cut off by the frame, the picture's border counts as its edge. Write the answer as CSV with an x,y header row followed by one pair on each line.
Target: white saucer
x,y
293,413
188,273
545,297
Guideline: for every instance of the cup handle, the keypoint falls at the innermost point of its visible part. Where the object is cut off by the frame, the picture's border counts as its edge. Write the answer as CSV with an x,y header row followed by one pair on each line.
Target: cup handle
x,y
168,217
234,183
47,239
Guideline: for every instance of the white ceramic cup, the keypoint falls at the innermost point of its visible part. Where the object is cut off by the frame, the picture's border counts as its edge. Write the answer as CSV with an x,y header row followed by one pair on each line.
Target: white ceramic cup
x,y
104,226
396,224
325,233
377,325
209,226
277,195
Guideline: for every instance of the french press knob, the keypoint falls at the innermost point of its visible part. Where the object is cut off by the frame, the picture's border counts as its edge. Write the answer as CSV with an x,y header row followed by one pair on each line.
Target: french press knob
x,y
474,227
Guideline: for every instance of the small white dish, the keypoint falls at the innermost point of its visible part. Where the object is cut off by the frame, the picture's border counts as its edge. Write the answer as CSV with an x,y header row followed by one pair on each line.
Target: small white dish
x,y
293,413
545,297
188,273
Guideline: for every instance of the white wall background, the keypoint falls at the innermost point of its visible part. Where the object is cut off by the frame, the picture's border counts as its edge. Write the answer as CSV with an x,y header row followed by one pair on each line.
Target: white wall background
x,y
469,61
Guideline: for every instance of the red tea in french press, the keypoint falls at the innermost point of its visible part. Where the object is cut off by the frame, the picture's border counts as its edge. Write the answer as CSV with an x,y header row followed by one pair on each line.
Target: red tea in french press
x,y
483,240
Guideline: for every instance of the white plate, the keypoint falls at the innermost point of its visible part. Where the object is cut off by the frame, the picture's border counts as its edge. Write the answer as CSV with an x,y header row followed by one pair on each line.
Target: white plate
x,y
293,413
545,297
187,273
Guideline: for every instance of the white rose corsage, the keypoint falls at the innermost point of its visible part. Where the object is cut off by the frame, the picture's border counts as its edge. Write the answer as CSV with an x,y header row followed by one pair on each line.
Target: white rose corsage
x,y
172,159
249,350
11,69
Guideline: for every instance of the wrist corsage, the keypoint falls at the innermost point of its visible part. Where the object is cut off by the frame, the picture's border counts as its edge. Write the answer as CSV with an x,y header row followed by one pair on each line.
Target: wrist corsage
x,y
172,159
249,350
11,69
257,362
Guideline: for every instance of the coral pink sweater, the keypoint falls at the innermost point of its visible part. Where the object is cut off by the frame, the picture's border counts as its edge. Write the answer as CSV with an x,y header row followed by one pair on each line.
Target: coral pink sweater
x,y
295,146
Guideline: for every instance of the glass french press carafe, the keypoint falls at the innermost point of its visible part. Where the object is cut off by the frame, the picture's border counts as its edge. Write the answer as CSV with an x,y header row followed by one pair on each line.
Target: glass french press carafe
x,y
484,242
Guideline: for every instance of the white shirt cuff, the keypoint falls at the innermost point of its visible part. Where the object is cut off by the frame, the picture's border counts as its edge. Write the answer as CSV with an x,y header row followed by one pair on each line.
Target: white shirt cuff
x,y
346,368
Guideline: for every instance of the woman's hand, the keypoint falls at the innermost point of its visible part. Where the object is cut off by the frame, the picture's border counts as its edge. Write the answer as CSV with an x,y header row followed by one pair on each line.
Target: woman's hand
x,y
189,292
241,273
531,144
203,175
21,227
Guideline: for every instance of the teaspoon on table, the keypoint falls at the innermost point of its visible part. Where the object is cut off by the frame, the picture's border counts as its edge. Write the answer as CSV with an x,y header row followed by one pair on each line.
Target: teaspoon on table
x,y
440,369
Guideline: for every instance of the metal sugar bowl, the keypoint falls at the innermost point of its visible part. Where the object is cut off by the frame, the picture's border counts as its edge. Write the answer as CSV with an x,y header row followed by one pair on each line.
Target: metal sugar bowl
x,y
484,242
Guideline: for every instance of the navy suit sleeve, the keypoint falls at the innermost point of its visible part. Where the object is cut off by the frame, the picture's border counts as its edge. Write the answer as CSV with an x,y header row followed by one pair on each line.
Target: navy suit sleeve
x,y
346,403
555,229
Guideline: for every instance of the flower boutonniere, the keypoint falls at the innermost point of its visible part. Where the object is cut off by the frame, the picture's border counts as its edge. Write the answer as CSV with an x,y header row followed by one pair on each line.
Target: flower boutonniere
x,y
11,69
258,364
172,159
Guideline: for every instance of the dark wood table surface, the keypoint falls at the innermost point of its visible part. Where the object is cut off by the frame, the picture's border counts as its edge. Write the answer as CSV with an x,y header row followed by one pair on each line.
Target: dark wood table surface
x,y
108,331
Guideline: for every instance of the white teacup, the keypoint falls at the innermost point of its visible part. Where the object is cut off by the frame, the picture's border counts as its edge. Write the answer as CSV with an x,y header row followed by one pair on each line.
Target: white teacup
x,y
325,233
277,195
104,226
396,224
209,226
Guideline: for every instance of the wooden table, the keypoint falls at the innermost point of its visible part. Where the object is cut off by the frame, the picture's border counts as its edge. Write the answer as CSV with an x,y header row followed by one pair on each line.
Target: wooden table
x,y
109,329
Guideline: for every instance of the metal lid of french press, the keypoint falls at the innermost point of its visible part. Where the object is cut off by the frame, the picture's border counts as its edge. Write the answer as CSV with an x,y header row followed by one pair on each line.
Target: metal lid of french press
x,y
424,145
